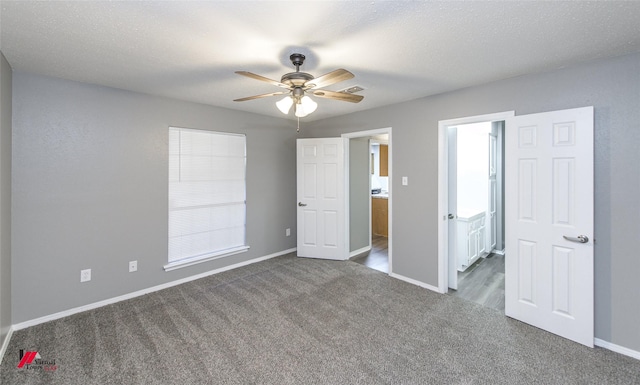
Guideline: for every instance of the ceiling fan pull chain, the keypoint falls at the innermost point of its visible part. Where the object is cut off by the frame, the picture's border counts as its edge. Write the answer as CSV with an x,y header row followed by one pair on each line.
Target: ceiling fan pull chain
x,y
298,130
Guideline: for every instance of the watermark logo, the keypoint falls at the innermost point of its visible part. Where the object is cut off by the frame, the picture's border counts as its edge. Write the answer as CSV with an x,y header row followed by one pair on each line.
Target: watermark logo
x,y
31,360
27,359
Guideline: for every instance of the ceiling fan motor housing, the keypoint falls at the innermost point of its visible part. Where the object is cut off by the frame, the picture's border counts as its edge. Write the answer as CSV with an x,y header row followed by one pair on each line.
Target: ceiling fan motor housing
x,y
296,79
297,59
297,94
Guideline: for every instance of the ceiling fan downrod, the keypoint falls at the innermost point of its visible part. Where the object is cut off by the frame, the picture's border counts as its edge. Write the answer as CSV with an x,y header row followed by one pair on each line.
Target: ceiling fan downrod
x,y
297,59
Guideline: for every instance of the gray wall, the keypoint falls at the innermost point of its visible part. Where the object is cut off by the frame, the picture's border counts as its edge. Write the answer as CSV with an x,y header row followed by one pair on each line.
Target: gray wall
x,y
89,182
5,197
359,193
612,86
90,190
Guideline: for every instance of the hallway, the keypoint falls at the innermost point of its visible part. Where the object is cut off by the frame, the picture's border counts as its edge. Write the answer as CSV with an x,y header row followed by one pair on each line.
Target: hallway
x,y
378,257
483,282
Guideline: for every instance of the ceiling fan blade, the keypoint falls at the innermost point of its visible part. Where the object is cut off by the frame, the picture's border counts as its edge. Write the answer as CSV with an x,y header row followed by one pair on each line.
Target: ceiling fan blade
x,y
262,78
343,96
329,79
261,96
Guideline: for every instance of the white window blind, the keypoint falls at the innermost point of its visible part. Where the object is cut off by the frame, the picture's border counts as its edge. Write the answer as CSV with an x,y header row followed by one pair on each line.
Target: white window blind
x,y
207,191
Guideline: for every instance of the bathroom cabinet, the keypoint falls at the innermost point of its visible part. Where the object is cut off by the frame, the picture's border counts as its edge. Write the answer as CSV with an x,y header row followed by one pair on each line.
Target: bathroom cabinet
x,y
471,237
384,160
379,216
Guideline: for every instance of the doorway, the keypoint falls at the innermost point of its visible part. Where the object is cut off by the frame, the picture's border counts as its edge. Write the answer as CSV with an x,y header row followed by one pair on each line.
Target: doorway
x,y
548,269
476,212
370,198
447,274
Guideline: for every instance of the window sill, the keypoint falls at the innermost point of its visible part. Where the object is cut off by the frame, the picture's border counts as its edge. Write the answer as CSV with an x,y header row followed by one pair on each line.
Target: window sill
x,y
204,258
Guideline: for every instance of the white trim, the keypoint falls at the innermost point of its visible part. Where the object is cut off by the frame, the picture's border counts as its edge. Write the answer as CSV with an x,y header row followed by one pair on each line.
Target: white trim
x,y
345,206
5,344
142,292
415,282
360,251
370,201
203,258
443,189
617,348
361,134
204,129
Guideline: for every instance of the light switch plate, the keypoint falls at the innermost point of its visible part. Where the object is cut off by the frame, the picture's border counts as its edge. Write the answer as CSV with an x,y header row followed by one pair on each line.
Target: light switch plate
x,y
85,275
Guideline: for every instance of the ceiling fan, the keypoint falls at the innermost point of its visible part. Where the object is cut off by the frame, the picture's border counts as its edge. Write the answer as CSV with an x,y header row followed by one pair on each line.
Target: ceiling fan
x,y
299,85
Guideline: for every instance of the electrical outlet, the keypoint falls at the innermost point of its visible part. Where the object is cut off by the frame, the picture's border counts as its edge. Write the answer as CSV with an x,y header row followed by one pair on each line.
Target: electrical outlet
x,y
133,266
287,232
85,275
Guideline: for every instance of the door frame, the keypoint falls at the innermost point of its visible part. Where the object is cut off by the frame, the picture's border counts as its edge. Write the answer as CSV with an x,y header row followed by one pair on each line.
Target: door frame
x,y
443,188
363,134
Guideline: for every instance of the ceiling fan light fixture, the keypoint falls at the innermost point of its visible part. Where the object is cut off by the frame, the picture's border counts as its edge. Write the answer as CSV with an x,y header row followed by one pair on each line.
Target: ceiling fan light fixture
x,y
308,104
300,112
305,107
284,105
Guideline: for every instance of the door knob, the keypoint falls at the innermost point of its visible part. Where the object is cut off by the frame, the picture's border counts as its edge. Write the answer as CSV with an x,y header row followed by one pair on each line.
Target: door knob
x,y
579,238
301,204
451,216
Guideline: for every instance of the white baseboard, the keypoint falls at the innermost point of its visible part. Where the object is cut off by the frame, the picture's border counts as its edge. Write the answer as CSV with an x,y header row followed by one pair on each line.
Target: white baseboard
x,y
415,282
139,293
5,344
359,251
617,348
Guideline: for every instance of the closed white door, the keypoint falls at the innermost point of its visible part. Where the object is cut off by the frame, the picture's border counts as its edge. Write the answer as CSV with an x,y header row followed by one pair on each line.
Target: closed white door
x,y
321,191
549,222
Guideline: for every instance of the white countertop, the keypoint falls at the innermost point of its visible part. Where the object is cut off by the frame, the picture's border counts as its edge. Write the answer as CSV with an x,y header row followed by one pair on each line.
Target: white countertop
x,y
466,213
382,195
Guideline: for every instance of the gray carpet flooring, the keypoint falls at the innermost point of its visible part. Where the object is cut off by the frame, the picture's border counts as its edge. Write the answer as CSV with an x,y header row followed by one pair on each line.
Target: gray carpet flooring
x,y
302,321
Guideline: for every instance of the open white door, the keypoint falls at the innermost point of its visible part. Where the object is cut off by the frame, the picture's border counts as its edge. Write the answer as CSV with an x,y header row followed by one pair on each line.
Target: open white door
x,y
452,133
549,222
322,198
492,215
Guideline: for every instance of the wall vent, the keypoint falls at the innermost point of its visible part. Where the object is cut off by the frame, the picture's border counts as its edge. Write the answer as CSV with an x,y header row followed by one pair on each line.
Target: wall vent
x,y
352,90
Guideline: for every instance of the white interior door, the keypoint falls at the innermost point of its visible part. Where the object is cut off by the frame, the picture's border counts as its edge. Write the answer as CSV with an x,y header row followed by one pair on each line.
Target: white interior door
x,y
453,207
493,193
321,191
549,222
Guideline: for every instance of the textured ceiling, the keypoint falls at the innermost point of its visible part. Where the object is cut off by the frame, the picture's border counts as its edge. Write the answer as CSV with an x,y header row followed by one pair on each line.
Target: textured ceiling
x,y
398,50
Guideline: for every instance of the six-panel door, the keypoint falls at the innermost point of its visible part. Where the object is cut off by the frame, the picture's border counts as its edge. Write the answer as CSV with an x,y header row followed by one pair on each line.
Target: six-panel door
x,y
549,196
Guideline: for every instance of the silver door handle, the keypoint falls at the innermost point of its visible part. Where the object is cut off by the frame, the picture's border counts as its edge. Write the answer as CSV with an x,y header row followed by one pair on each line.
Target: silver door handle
x,y
579,238
301,204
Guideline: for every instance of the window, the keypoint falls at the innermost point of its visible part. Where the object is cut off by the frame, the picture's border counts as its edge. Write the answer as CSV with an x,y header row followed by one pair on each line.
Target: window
x,y
207,191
